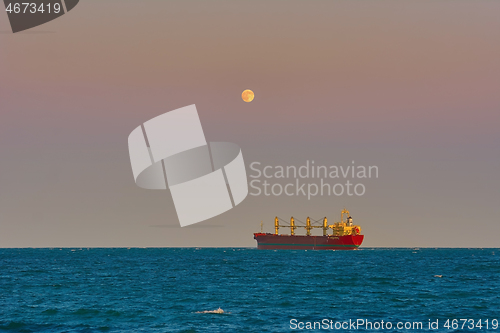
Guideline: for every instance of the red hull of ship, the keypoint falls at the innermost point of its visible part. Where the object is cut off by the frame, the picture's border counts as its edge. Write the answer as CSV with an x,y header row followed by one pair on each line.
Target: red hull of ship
x,y
288,242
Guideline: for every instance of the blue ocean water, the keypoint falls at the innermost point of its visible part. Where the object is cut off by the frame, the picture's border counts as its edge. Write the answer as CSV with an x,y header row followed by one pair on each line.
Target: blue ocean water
x,y
162,289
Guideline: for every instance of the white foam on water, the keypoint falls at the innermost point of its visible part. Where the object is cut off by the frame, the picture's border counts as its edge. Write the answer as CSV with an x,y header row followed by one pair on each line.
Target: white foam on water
x,y
218,311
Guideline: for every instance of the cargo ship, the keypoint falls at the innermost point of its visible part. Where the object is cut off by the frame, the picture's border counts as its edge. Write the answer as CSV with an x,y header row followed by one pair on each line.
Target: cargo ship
x,y
344,235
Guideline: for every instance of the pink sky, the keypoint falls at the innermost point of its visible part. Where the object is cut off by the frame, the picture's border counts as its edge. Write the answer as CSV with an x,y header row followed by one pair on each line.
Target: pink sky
x,y
411,86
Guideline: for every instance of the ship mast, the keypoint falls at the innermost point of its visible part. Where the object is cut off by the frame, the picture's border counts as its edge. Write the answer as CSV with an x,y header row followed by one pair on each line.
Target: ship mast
x,y
292,226
344,227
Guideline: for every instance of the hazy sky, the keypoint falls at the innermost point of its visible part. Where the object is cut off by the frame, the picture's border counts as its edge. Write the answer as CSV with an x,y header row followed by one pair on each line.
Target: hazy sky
x,y
412,87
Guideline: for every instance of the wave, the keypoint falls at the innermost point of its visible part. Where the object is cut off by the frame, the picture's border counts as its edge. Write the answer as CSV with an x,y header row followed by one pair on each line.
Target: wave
x,y
217,311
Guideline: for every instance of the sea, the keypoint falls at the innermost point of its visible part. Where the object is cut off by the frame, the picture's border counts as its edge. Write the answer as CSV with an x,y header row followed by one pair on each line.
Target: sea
x,y
178,289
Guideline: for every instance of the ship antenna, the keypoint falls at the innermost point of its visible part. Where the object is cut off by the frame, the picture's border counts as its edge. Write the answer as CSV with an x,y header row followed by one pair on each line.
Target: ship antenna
x,y
262,226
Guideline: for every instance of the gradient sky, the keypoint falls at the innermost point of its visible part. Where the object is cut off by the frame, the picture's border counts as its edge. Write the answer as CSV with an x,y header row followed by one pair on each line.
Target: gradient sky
x,y
410,86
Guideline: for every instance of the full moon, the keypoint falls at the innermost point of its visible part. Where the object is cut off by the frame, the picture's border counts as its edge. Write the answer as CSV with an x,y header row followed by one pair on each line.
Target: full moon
x,y
248,95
